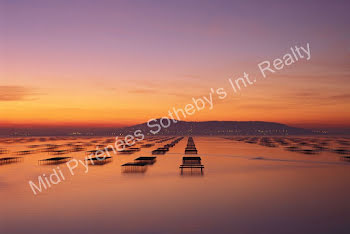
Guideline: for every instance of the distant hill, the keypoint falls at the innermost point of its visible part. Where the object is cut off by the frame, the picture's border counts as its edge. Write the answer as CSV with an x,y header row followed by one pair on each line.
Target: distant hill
x,y
217,128
179,128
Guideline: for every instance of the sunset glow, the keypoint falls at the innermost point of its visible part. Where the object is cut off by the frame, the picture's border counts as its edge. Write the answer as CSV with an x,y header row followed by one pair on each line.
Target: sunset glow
x,y
121,64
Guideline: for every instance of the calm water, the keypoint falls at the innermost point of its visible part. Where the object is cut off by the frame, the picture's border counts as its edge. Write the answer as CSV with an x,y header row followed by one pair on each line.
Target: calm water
x,y
245,188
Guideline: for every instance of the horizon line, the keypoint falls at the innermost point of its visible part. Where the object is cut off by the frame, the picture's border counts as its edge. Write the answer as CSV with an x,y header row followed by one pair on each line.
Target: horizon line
x,y
114,125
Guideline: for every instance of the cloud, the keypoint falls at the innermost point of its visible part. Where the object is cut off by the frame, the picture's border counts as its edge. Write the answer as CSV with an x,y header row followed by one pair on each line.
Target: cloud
x,y
17,93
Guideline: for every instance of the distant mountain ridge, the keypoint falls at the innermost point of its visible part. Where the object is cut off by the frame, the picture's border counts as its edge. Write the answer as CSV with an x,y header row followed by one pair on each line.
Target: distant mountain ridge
x,y
217,128
179,128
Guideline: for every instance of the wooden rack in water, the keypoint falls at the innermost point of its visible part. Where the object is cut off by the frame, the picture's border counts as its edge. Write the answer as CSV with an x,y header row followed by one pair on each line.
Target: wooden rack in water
x,y
139,165
166,147
127,151
99,161
3,151
58,152
159,151
9,160
148,160
25,152
191,147
191,163
55,160
345,158
134,167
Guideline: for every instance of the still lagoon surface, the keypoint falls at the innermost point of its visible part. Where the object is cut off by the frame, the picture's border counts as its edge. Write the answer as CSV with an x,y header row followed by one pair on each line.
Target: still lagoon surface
x,y
248,185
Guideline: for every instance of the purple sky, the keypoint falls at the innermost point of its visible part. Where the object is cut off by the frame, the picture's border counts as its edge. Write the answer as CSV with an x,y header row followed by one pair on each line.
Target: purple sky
x,y
119,49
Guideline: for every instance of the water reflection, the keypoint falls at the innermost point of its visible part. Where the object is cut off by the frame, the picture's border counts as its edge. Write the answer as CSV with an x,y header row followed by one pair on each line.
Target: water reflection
x,y
286,183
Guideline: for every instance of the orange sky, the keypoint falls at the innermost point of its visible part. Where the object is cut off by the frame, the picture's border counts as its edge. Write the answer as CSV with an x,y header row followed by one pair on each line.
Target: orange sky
x,y
124,64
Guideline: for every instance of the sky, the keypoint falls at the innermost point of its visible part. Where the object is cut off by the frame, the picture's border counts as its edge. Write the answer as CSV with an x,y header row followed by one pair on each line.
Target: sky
x,y
118,63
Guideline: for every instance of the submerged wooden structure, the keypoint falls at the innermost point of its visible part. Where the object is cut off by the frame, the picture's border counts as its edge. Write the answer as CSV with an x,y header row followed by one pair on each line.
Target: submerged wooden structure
x,y
139,165
345,158
265,141
54,160
191,147
127,151
159,151
166,147
77,148
134,167
191,163
308,151
33,146
59,152
134,149
91,152
147,160
3,151
341,151
293,148
99,161
24,152
9,160
191,151
50,148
